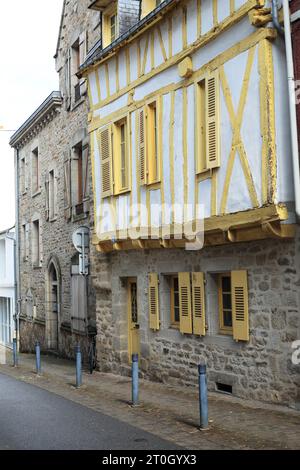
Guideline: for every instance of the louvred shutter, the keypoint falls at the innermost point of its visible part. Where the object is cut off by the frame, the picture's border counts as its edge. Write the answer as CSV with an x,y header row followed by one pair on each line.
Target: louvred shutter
x,y
106,161
198,304
239,292
212,121
153,302
185,304
142,147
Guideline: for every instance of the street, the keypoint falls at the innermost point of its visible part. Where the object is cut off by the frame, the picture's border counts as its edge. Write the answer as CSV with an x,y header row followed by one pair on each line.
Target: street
x,y
34,419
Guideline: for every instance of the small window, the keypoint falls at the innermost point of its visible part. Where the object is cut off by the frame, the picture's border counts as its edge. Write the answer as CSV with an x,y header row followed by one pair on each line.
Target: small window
x,y
152,143
36,251
35,171
120,154
174,302
110,29
113,27
225,304
25,240
207,117
52,195
23,175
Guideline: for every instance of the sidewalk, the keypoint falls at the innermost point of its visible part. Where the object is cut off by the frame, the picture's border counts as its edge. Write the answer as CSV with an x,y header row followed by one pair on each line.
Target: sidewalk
x,y
169,412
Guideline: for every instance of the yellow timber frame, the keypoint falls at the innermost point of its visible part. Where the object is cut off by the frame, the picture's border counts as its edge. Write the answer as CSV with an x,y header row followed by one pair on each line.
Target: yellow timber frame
x,y
258,223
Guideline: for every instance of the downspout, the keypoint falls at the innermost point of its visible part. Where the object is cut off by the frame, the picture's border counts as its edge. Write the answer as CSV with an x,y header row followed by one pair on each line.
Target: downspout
x,y
17,251
15,279
292,95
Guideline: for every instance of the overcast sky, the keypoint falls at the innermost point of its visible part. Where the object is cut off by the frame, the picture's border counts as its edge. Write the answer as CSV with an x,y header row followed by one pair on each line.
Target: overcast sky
x,y
28,37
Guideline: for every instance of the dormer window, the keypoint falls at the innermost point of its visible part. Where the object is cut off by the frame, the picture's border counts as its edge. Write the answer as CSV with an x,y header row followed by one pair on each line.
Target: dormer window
x,y
110,30
149,5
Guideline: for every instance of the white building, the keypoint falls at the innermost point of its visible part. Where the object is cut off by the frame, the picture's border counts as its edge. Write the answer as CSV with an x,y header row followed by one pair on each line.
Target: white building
x,y
7,287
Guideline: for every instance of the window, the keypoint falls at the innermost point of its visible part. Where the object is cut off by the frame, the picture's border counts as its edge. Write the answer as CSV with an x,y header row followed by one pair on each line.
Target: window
x,y
52,195
76,65
113,27
174,302
207,124
152,144
120,156
80,180
36,252
23,185
35,171
148,6
110,27
25,241
2,259
79,50
149,132
225,304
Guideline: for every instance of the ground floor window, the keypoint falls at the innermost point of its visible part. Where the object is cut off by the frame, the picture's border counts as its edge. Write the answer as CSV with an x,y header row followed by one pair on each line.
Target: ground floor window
x,y
5,320
174,302
225,303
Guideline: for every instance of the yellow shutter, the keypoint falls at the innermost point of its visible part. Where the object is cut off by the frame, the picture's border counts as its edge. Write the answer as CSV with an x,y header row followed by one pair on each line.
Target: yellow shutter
x,y
106,161
239,292
198,304
212,121
142,146
153,302
185,304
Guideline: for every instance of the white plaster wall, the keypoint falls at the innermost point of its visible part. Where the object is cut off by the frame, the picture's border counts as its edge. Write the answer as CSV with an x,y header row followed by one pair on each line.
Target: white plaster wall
x,y
285,182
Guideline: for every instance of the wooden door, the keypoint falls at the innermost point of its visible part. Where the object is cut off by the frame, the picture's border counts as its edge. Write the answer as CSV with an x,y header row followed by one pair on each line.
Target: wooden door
x,y
133,319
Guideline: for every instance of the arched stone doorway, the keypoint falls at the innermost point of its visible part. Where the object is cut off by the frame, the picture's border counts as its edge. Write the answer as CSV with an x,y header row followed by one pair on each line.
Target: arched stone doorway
x,y
53,304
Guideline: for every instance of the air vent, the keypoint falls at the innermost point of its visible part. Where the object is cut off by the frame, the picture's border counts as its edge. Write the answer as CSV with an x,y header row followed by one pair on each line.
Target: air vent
x,y
224,388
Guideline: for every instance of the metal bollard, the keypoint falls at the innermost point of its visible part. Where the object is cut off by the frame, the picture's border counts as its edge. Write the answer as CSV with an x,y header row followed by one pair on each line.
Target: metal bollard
x,y
78,366
38,357
15,352
203,402
135,379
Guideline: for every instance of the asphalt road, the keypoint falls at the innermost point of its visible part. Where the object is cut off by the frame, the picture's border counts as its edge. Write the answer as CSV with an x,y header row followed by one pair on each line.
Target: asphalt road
x,y
34,419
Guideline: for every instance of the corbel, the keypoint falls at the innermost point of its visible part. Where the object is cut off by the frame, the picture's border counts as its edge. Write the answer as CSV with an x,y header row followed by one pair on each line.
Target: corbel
x,y
260,17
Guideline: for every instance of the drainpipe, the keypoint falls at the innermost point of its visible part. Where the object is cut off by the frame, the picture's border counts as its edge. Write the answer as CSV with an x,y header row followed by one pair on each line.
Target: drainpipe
x,y
17,251
15,280
292,95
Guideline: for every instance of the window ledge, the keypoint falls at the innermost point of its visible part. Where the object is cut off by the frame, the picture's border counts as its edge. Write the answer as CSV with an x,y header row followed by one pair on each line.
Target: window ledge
x,y
78,103
37,266
123,191
77,218
37,193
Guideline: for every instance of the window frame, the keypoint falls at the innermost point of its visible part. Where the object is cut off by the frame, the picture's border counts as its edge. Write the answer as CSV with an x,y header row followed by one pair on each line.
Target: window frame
x,y
207,123
52,197
173,323
223,329
118,188
35,171
107,15
153,135
200,127
36,243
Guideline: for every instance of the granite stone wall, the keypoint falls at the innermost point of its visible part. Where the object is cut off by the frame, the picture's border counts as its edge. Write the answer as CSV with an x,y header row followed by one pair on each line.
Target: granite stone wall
x,y
260,369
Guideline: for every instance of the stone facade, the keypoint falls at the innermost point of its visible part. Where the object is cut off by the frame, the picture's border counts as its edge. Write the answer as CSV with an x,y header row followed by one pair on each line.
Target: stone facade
x,y
260,369
55,136
54,139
